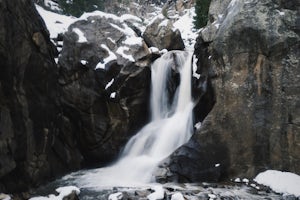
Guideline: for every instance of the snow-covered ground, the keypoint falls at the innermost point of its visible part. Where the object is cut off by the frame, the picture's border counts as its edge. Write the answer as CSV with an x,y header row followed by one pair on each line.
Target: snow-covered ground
x,y
57,23
281,182
185,24
63,192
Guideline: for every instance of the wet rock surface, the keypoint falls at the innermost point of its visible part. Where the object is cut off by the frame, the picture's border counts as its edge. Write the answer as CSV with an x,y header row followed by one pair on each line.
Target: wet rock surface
x,y
253,69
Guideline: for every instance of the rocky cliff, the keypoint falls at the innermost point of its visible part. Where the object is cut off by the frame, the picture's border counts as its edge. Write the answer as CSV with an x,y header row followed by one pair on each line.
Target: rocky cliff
x,y
32,144
252,61
60,111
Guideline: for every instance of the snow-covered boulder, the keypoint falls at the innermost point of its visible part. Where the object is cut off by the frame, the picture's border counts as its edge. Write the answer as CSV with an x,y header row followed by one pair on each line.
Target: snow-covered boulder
x,y
160,33
102,39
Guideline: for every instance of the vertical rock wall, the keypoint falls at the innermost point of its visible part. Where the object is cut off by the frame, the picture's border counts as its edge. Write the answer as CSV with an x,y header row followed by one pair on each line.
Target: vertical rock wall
x,y
32,146
254,69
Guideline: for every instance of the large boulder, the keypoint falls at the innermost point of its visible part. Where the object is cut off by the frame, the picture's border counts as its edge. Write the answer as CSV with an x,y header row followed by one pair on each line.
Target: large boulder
x,y
254,70
105,80
160,33
33,147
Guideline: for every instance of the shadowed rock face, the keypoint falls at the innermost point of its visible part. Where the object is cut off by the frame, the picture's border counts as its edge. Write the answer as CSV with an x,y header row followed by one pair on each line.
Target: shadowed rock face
x,y
103,116
54,119
254,72
32,146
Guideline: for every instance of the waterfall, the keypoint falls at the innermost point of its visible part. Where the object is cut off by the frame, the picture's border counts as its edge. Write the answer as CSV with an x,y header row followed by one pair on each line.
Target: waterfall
x,y
170,127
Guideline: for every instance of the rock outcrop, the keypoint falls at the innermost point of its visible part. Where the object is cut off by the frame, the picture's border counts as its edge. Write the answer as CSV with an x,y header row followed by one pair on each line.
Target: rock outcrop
x,y
32,144
253,67
105,80
58,118
160,33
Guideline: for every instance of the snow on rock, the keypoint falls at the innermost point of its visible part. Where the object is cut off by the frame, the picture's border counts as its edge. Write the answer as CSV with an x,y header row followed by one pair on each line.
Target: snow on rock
x,y
154,50
237,180
113,95
133,41
122,52
55,23
83,62
52,5
245,180
115,196
185,25
4,196
157,194
109,83
128,17
81,37
63,192
212,196
177,196
111,57
281,182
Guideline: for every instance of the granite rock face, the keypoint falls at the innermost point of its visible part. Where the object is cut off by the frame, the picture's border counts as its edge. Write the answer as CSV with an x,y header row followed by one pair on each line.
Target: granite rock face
x,y
105,81
55,118
32,143
253,67
161,34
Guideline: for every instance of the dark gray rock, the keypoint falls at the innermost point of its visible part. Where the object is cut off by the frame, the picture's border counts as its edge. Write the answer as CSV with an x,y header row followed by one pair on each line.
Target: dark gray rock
x,y
254,73
160,34
103,116
32,145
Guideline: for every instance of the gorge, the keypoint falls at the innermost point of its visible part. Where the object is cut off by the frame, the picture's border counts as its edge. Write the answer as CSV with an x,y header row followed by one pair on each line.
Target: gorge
x,y
75,105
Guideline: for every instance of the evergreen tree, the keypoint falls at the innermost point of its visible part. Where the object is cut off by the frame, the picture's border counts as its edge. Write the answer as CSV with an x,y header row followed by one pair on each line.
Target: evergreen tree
x,y
201,8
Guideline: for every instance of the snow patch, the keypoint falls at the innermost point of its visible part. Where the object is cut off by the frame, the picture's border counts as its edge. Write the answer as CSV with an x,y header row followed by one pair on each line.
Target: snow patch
x,y
163,23
109,83
113,95
133,41
195,74
237,180
281,182
126,17
63,192
81,37
197,125
153,50
121,51
53,5
83,62
115,196
177,196
111,57
157,194
185,25
55,23
245,180
85,16
126,30
212,196
4,196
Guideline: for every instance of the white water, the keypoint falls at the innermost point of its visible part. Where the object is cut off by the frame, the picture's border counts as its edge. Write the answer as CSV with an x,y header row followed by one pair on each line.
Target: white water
x,y
170,127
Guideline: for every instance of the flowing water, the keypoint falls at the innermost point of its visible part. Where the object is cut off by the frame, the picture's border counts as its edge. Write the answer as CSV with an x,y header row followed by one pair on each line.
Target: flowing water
x,y
170,127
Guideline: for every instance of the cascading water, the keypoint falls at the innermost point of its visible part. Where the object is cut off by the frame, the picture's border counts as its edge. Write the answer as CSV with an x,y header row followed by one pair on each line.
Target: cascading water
x,y
170,127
